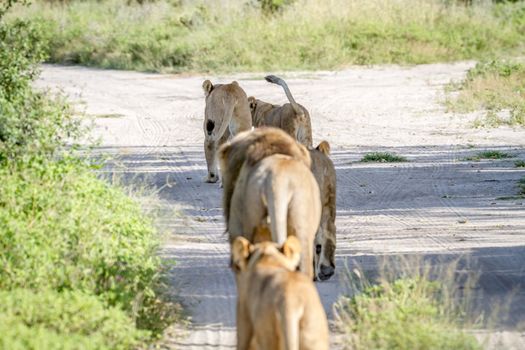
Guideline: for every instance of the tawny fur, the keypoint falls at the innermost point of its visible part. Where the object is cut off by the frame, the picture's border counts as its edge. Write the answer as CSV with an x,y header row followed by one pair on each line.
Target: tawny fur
x,y
279,193
291,117
226,113
253,146
278,308
325,238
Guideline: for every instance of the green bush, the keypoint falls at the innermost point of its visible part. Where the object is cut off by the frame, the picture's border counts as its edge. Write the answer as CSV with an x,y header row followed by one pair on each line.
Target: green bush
x,y
63,320
79,267
21,49
307,34
34,124
31,123
405,314
63,229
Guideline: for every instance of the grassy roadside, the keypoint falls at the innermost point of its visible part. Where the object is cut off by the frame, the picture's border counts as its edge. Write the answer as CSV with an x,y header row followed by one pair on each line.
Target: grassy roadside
x,y
412,309
79,265
493,86
235,35
490,154
382,157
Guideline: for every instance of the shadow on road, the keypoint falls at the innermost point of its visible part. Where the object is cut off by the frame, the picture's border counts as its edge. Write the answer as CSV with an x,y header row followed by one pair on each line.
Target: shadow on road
x,y
436,206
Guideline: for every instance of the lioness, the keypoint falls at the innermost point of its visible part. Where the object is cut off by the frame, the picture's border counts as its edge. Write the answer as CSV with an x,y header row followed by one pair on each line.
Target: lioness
x,y
291,117
226,113
278,308
274,198
253,146
324,172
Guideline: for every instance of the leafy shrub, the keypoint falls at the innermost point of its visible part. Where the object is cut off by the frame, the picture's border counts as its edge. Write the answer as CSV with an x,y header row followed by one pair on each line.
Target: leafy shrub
x,y
31,122
63,229
34,124
47,319
21,49
404,314
78,257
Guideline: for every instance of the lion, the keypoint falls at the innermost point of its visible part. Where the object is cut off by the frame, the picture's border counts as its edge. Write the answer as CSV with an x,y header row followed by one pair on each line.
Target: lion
x,y
273,196
278,308
324,172
291,117
253,146
280,196
227,113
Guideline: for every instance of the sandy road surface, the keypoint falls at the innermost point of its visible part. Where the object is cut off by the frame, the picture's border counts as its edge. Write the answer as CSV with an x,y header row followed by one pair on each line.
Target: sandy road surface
x,y
435,205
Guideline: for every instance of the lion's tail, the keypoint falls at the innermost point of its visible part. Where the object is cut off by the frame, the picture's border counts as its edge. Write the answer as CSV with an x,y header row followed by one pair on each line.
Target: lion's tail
x,y
276,80
227,113
290,328
278,212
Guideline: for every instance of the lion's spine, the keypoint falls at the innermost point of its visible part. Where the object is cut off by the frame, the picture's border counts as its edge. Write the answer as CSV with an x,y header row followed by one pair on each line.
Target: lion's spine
x,y
276,80
290,327
277,212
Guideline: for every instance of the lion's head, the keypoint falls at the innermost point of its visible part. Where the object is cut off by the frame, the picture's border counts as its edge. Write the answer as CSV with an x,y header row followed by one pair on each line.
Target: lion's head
x,y
245,256
325,238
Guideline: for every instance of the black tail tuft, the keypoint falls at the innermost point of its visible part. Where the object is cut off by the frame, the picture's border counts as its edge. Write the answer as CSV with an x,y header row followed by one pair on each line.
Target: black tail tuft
x,y
272,79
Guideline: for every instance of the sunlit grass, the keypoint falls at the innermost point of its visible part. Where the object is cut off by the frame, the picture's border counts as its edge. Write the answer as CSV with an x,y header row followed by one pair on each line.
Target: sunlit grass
x,y
382,157
493,86
490,154
411,305
224,36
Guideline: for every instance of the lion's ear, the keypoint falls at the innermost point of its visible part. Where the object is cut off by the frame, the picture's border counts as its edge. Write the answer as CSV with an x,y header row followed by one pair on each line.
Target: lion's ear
x,y
207,86
241,248
324,147
235,83
292,250
252,102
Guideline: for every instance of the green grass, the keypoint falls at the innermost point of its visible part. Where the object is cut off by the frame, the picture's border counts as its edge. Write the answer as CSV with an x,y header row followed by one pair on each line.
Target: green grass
x,y
64,230
47,319
382,157
494,86
521,185
229,35
521,191
490,155
406,311
519,164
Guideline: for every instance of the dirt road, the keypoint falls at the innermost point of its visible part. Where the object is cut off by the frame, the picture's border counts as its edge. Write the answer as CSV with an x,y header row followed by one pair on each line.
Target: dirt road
x,y
436,205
